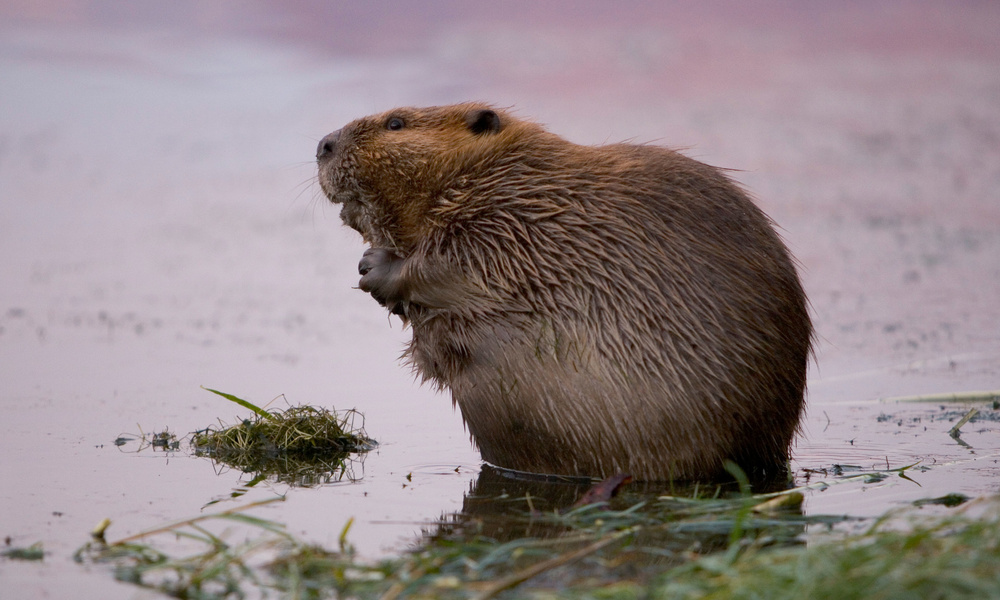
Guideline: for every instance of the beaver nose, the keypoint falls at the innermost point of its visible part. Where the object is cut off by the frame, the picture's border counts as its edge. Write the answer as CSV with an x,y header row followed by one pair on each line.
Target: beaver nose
x,y
327,145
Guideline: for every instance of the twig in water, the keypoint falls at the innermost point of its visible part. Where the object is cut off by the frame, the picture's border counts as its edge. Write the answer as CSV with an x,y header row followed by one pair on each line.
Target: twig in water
x,y
954,431
980,396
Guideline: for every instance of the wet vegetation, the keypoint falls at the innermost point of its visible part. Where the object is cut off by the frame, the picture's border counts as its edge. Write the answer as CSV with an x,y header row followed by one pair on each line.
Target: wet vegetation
x,y
696,546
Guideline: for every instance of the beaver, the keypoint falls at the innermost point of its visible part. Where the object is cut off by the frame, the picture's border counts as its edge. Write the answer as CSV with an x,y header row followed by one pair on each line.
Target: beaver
x,y
594,310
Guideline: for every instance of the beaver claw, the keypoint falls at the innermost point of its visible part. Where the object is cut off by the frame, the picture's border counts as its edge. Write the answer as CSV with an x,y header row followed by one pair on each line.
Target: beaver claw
x,y
380,276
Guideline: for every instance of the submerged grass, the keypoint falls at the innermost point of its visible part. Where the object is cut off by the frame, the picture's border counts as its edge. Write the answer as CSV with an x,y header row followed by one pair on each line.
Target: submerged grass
x,y
600,553
32,552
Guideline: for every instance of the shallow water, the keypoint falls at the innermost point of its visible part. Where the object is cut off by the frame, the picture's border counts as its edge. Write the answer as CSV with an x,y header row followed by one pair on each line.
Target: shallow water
x,y
161,229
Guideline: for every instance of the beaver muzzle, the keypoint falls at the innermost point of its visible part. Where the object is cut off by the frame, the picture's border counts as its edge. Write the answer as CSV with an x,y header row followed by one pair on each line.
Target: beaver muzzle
x,y
327,145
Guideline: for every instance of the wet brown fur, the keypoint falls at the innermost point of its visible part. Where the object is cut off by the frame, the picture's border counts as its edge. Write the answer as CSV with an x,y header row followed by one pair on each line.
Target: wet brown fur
x,y
593,309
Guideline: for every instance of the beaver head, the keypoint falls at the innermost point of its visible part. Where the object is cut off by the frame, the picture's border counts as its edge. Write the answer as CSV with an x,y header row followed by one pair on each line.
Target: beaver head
x,y
389,170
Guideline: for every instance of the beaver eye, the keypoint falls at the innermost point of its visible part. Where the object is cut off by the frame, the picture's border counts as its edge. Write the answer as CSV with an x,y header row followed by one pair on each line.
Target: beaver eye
x,y
394,124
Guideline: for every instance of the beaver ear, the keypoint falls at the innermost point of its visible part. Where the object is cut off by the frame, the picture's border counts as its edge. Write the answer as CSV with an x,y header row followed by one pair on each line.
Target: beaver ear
x,y
483,121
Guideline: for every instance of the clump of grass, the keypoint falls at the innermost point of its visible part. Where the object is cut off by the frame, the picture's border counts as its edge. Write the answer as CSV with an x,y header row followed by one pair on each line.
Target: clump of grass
x,y
303,445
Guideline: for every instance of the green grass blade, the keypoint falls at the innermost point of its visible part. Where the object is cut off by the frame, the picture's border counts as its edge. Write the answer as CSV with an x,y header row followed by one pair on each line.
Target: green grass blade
x,y
241,402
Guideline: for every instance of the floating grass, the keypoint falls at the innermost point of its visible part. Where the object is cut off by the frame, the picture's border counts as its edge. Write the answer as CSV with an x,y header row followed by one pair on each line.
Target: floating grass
x,y
302,445
304,431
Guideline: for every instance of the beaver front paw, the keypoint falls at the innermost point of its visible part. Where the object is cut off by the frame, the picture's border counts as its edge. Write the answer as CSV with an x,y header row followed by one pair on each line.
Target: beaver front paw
x,y
380,276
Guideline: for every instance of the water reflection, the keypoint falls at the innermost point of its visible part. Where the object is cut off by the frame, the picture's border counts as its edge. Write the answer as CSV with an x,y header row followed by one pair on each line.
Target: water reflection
x,y
507,520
